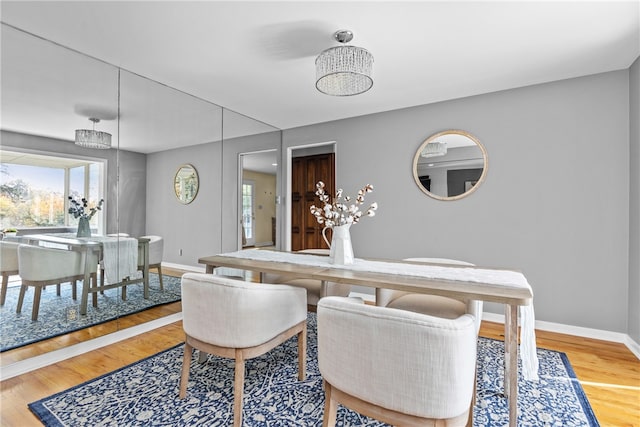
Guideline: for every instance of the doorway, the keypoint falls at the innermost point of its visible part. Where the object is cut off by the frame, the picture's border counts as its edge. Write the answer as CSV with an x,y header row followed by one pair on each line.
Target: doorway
x,y
258,198
306,170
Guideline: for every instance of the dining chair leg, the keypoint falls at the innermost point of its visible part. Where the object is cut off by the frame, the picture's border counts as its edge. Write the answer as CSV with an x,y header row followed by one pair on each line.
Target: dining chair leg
x,y
238,389
58,289
330,407
302,353
160,277
36,302
5,284
94,296
23,289
186,365
74,291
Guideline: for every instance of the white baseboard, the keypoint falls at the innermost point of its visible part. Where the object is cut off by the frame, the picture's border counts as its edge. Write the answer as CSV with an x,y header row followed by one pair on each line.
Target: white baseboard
x,y
579,331
632,345
33,363
183,267
263,244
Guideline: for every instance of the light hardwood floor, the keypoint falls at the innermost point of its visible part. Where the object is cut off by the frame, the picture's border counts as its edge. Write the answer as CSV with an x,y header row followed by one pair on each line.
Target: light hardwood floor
x,y
608,372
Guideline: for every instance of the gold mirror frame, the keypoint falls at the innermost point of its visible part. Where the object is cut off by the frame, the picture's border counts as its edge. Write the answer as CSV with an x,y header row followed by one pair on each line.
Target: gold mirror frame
x,y
186,183
435,137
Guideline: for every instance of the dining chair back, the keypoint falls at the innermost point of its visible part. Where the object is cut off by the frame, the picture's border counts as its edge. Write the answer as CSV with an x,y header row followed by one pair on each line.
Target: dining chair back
x,y
316,289
156,252
239,320
8,265
399,367
434,305
40,267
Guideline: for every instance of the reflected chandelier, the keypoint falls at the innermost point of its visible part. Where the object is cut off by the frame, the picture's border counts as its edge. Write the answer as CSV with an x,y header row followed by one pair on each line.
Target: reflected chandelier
x,y
344,70
434,149
92,138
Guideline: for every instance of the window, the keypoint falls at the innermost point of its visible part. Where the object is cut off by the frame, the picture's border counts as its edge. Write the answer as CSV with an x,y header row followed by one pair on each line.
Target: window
x,y
248,223
34,189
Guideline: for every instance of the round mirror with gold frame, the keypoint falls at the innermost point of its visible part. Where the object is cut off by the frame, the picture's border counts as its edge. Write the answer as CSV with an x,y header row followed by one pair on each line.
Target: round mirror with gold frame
x,y
450,165
186,183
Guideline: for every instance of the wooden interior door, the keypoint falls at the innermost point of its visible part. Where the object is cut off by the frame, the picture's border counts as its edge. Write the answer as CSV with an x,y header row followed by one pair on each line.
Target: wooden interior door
x,y
306,171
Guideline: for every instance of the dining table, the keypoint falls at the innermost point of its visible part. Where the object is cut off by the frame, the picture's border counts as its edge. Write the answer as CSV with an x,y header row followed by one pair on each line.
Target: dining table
x,y
97,244
497,285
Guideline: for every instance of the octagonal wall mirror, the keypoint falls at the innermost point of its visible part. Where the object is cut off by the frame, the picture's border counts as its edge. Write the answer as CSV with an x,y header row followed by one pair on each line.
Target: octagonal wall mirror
x,y
186,183
450,165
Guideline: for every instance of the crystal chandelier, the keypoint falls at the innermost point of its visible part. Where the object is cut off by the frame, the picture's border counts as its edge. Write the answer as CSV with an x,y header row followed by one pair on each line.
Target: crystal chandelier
x,y
344,70
434,149
92,138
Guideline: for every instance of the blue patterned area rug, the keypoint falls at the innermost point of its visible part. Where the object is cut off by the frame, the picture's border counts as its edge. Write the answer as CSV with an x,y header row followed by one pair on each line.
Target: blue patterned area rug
x,y
146,393
60,314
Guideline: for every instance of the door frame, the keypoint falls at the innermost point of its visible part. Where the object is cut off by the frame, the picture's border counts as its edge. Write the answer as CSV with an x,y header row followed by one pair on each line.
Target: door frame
x,y
288,179
240,180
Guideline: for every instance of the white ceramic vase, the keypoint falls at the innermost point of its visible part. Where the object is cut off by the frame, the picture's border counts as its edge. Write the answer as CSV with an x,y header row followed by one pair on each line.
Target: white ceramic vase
x,y
341,252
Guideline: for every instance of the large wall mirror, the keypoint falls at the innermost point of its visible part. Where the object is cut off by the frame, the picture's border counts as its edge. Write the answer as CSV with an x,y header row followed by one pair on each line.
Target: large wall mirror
x,y
450,165
49,91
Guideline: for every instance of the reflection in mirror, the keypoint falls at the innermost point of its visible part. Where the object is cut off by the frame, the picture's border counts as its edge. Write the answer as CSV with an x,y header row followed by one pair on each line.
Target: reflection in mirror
x,y
48,92
185,184
450,165
259,198
255,143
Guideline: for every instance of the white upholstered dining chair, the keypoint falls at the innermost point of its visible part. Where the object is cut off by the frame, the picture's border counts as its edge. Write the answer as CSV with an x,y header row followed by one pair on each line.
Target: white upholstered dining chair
x,y
434,305
239,320
40,267
396,366
316,289
156,252
8,265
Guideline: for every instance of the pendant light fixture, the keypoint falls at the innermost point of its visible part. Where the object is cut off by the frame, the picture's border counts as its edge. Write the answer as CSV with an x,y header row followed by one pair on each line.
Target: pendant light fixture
x,y
92,138
434,149
344,70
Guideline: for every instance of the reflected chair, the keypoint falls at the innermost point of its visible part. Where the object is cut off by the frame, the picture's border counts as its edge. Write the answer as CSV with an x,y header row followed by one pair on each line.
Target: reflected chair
x,y
40,267
239,320
156,252
316,289
8,265
434,305
396,366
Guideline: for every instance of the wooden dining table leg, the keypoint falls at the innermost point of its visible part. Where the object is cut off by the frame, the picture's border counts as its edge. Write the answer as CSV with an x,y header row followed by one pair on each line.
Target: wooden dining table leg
x,y
145,271
511,361
86,284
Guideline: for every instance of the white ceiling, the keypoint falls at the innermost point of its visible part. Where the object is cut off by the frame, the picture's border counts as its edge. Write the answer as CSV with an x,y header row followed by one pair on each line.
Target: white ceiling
x,y
257,58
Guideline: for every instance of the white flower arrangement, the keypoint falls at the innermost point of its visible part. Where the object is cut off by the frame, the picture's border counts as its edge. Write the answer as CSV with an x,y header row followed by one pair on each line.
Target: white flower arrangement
x,y
340,210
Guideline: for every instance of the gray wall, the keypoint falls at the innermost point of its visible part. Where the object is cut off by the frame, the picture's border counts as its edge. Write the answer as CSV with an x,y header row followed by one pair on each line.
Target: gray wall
x,y
555,203
194,228
634,201
210,224
130,188
231,175
561,201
